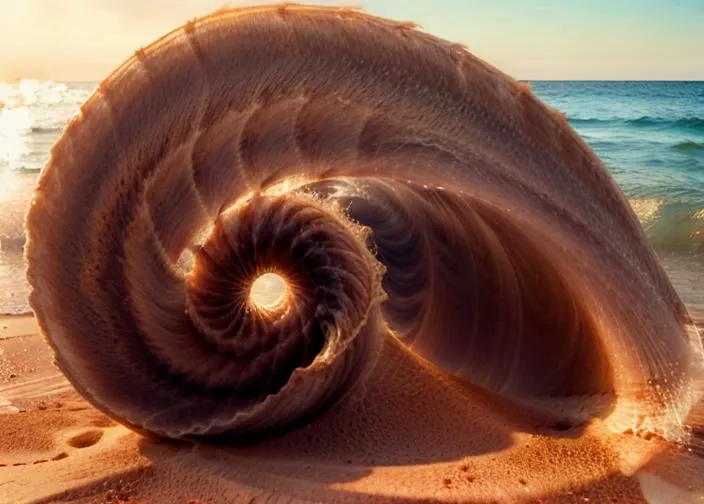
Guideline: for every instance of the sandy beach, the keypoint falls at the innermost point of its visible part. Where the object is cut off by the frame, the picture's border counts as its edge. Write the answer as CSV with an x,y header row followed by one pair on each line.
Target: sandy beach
x,y
58,448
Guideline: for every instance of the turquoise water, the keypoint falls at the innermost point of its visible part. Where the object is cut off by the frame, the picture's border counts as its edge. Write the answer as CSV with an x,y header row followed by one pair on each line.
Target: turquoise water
x,y
650,135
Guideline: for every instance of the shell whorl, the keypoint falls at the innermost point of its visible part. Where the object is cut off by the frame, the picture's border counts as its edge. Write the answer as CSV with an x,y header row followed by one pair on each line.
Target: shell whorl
x,y
489,214
228,346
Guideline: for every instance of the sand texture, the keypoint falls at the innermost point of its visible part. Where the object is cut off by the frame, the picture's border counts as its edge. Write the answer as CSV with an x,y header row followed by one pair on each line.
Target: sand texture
x,y
56,447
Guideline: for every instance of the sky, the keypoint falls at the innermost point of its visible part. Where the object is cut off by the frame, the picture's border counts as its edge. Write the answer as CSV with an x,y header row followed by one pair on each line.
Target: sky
x,y
83,40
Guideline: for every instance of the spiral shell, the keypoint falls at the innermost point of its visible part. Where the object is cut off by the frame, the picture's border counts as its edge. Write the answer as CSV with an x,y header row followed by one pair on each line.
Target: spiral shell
x,y
405,190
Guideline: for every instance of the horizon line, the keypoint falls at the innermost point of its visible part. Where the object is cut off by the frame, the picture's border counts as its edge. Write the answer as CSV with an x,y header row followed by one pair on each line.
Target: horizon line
x,y
89,81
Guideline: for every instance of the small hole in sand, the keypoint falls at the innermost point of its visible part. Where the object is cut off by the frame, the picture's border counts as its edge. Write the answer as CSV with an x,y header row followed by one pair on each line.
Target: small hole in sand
x,y
60,456
85,439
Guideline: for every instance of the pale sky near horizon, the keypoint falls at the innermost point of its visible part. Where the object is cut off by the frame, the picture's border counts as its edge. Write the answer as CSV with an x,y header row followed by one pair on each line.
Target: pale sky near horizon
x,y
83,40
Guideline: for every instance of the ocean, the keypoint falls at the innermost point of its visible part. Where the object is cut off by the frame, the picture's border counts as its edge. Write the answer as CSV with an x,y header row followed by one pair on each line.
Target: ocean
x,y
650,135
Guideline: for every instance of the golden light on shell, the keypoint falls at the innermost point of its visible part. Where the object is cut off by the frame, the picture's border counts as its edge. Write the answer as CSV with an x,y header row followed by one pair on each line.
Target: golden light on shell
x,y
387,253
268,291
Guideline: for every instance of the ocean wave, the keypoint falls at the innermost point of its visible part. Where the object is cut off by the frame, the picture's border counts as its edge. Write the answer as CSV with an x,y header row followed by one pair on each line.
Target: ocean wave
x,y
587,120
29,92
25,169
671,226
19,313
48,129
688,146
14,242
689,123
683,122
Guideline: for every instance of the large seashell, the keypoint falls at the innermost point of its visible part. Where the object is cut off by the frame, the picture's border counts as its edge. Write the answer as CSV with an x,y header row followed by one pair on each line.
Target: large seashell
x,y
448,243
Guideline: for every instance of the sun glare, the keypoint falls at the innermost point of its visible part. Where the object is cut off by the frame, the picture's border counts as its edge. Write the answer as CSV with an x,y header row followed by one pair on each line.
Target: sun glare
x,y
268,291
14,124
